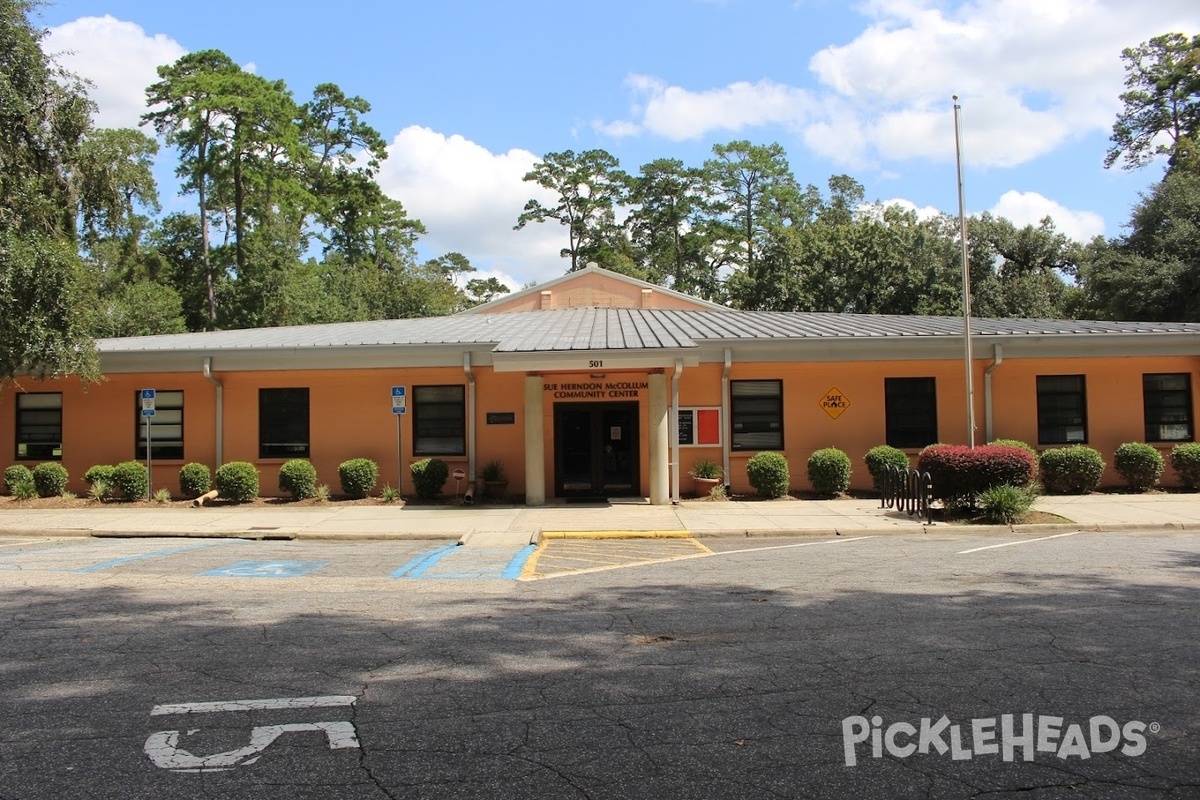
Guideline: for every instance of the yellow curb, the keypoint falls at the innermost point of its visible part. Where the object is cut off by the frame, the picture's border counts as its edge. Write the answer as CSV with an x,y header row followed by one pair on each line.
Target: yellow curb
x,y
616,534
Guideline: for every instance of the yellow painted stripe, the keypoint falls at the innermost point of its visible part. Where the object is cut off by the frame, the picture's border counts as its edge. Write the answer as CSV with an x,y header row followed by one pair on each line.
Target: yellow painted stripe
x,y
616,534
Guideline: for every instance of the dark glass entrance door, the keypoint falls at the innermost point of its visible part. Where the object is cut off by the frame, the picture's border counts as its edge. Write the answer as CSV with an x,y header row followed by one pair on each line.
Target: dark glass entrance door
x,y
595,449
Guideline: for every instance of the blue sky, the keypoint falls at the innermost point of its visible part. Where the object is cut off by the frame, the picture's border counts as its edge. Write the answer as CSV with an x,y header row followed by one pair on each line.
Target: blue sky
x,y
471,93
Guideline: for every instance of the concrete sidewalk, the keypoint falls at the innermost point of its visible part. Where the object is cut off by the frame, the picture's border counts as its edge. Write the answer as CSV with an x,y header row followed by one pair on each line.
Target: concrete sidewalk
x,y
701,517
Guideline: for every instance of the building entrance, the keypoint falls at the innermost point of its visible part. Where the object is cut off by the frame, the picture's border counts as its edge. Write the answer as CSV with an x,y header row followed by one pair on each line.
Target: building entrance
x,y
595,449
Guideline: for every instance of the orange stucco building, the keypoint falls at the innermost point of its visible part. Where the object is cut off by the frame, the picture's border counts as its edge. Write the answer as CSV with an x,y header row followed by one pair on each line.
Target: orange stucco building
x,y
596,384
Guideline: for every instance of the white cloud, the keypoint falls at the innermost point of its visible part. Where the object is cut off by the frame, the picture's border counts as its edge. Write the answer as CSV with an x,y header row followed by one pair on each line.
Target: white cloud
x,y
677,113
1030,208
469,199
1030,75
119,58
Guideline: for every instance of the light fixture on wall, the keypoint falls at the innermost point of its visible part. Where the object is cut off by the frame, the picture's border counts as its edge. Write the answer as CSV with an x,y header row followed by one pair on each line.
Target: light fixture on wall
x,y
598,376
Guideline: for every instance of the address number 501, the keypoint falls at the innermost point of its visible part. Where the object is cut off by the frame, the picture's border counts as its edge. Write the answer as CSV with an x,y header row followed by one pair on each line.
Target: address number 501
x,y
594,363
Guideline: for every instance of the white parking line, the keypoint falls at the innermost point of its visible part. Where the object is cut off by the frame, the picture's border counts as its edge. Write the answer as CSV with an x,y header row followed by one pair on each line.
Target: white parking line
x,y
324,701
789,546
1023,541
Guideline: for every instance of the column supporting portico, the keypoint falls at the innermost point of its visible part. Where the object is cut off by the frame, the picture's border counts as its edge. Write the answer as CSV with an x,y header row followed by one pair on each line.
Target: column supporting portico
x,y
535,443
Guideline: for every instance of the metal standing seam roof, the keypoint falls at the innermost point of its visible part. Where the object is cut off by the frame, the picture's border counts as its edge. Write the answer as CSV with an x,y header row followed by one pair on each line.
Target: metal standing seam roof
x,y
574,329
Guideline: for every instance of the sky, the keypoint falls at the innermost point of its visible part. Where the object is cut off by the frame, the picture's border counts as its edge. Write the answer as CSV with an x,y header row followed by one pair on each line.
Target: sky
x,y
470,94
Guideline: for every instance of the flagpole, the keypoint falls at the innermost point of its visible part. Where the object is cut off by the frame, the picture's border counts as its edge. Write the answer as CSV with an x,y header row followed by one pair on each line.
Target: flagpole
x,y
966,279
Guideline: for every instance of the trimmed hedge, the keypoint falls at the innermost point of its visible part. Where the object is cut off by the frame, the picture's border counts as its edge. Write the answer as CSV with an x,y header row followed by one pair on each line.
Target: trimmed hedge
x,y
1139,464
50,478
17,474
98,473
131,479
1076,469
194,479
961,474
298,477
881,457
768,474
237,481
358,477
829,471
429,475
1185,460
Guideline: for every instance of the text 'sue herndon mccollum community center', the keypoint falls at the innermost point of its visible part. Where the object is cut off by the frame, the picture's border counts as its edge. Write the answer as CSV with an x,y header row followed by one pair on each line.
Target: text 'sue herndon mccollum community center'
x,y
574,384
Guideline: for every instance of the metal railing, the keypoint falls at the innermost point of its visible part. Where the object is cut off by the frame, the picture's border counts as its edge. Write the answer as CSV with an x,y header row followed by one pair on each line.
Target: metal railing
x,y
907,490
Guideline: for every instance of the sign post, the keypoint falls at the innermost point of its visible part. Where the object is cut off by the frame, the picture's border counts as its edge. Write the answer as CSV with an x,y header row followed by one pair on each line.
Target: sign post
x,y
147,413
399,407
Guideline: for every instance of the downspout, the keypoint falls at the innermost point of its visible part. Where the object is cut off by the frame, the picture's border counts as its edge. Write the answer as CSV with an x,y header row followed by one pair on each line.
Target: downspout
x,y
673,431
470,422
726,428
997,360
220,415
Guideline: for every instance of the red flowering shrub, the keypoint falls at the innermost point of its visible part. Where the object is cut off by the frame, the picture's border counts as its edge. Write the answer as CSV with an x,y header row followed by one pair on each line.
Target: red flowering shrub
x,y
958,472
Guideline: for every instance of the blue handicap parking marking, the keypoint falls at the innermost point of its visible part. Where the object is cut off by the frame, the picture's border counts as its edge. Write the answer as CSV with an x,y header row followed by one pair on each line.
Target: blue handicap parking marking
x,y
266,569
453,562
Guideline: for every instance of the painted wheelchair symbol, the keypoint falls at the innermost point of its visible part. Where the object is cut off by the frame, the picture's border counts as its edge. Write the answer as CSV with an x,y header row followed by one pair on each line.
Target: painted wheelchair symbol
x,y
164,750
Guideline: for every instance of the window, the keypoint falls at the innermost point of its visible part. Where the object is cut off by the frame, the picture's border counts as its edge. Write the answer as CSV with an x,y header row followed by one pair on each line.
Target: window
x,y
39,426
756,408
910,409
166,426
439,421
1168,407
1061,409
699,426
283,423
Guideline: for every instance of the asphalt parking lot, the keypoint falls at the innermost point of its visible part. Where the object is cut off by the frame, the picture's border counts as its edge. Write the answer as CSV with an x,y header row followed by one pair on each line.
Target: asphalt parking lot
x,y
789,667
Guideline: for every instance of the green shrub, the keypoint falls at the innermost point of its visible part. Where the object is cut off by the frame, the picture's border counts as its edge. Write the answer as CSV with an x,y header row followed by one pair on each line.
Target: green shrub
x,y
1076,469
162,496
705,468
1139,464
50,479
881,457
768,474
829,471
1015,443
298,478
131,479
99,472
16,474
24,489
358,477
389,494
100,490
1004,505
1185,460
429,475
237,481
194,479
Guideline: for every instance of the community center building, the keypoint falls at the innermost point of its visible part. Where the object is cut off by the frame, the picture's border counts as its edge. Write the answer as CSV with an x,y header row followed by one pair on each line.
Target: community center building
x,y
599,385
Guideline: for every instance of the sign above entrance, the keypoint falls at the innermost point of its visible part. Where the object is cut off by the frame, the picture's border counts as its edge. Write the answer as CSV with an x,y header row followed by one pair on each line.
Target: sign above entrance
x,y
596,390
590,361
834,403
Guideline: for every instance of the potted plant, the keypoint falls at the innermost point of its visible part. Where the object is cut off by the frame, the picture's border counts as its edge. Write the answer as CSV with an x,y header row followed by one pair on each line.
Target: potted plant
x,y
706,476
495,482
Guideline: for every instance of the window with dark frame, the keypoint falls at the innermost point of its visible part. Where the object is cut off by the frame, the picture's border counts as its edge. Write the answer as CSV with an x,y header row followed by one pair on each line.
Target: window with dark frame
x,y
283,423
756,415
1167,400
39,426
439,420
1061,409
166,426
910,412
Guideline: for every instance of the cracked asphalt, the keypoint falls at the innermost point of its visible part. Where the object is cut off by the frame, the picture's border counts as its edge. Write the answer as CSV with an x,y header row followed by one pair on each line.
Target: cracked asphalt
x,y
731,675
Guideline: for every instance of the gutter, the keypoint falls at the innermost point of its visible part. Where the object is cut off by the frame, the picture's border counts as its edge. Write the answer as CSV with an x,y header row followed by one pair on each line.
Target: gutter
x,y
673,431
725,426
997,360
470,421
220,414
